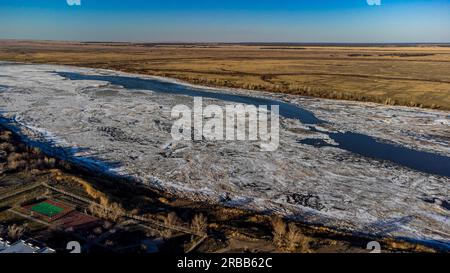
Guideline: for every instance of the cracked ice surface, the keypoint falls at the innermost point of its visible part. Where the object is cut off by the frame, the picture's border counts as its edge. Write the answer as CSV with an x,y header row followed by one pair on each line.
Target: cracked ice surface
x,y
103,123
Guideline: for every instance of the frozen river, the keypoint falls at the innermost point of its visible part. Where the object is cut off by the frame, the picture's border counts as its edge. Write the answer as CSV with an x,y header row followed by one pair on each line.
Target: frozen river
x,y
357,143
361,167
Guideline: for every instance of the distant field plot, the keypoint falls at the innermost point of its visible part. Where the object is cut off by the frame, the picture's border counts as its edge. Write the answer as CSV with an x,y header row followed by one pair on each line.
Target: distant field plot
x,y
47,209
77,220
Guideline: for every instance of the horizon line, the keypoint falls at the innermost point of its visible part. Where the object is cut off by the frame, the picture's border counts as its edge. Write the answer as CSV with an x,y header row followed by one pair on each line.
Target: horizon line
x,y
226,43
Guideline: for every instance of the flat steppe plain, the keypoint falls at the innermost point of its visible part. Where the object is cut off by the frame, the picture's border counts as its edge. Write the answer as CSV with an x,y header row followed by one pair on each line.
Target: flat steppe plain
x,y
411,75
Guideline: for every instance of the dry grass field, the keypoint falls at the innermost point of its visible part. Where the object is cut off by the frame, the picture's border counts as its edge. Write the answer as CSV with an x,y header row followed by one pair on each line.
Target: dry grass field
x,y
398,75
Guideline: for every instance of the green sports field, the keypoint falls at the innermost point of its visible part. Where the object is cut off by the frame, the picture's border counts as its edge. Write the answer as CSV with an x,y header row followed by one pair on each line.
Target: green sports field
x,y
47,209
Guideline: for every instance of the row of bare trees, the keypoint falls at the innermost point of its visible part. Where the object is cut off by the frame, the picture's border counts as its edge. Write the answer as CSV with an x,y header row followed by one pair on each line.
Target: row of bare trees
x,y
288,237
198,224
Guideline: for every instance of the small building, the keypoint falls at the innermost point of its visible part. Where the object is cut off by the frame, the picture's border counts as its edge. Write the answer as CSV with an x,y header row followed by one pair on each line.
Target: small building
x,y
22,247
3,245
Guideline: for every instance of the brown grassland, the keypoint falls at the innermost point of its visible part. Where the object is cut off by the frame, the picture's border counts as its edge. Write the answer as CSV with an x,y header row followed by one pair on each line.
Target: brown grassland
x,y
416,75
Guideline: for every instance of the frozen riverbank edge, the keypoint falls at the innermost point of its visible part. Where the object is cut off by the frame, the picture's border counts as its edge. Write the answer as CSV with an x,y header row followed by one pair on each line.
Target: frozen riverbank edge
x,y
323,198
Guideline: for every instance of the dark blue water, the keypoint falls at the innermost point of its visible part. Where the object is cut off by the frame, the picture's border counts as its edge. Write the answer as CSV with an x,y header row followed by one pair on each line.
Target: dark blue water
x,y
369,147
353,142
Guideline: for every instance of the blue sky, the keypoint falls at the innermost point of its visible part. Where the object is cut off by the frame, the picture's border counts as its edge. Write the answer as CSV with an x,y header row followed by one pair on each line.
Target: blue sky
x,y
227,21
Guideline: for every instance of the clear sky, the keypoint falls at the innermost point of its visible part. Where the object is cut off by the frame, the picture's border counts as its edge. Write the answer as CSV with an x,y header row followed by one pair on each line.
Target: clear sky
x,y
227,20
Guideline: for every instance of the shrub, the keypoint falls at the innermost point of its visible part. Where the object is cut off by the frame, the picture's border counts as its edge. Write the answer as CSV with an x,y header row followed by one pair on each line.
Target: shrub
x,y
49,162
5,136
7,147
14,157
115,211
17,165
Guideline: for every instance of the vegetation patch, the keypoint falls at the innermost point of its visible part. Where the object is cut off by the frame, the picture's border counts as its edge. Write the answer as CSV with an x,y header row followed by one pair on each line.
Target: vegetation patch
x,y
47,209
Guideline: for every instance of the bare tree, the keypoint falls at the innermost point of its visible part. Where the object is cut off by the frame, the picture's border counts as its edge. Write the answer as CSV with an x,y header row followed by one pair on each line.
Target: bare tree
x,y
111,211
297,240
172,219
15,231
199,224
279,232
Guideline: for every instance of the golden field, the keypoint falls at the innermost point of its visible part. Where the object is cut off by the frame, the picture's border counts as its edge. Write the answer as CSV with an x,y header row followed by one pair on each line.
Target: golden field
x,y
398,75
